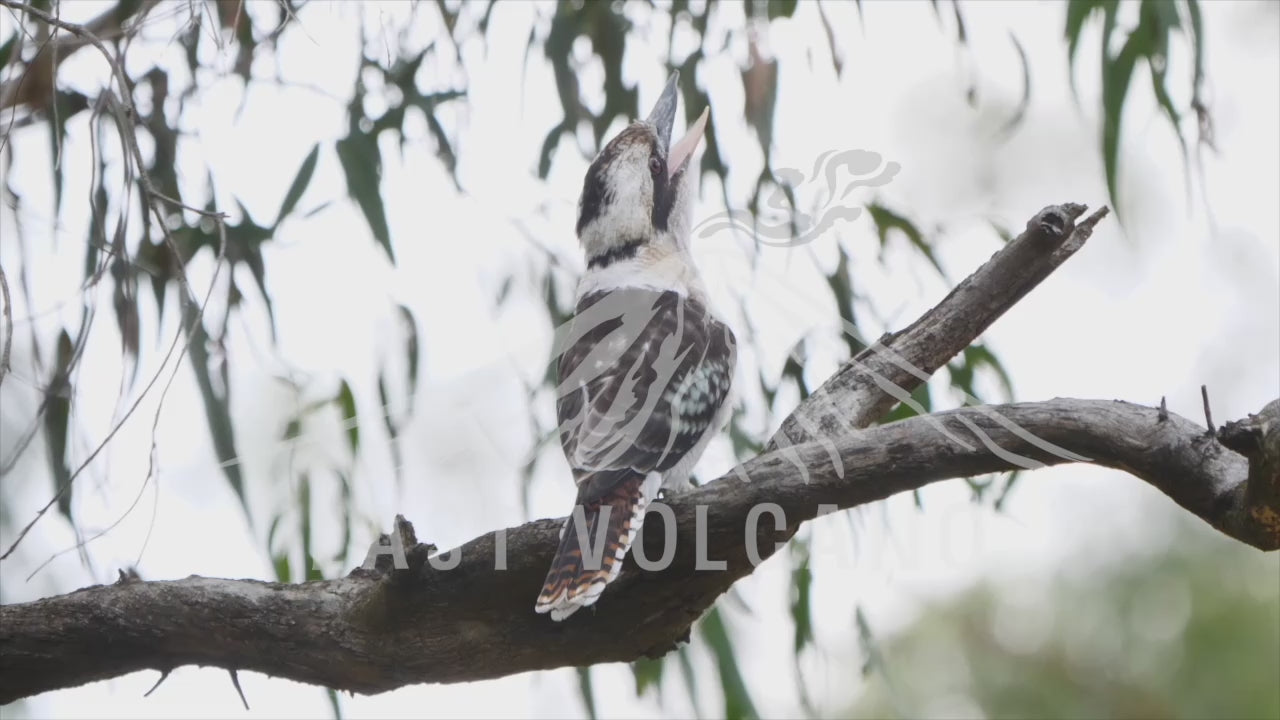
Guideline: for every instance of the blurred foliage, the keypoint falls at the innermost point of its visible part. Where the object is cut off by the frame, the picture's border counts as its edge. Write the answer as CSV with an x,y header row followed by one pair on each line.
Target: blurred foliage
x,y
1189,631
388,88
1147,42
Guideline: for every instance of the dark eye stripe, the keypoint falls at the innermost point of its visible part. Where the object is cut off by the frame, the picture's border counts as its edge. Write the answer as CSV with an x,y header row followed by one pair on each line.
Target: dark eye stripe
x,y
597,195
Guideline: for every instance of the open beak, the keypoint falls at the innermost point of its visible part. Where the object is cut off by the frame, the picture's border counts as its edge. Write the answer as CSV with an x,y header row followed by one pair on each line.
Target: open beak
x,y
663,117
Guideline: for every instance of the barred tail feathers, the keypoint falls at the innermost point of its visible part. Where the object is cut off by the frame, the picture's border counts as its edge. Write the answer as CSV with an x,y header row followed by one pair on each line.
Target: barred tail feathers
x,y
574,581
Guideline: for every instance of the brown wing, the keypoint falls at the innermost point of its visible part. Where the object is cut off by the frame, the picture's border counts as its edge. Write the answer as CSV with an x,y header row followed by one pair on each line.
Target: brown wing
x,y
641,377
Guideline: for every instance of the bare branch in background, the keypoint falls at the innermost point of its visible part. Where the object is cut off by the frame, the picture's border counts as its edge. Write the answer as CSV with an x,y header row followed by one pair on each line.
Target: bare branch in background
x,y
35,87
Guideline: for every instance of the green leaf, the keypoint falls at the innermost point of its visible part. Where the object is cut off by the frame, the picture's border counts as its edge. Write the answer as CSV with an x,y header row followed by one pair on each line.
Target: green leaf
x,y
57,417
549,148
7,49
312,569
1116,74
217,408
690,677
67,104
271,532
411,348
781,8
841,284
97,230
801,615
347,402
334,705
801,583
886,220
978,356
1158,19
444,150
961,33
998,505
299,186
744,445
871,658
392,427
1020,112
247,237
344,489
903,410
124,300
648,674
280,563
794,369
1002,232
588,695
1197,32
737,701
362,166
1077,12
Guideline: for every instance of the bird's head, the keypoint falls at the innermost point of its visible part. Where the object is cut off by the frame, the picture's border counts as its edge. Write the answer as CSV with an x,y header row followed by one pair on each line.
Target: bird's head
x,y
639,189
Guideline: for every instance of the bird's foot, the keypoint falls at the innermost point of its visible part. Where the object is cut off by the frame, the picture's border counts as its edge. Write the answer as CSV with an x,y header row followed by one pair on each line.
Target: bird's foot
x,y
678,488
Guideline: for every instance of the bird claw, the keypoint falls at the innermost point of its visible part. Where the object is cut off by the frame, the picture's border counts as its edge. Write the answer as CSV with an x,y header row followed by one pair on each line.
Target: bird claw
x,y
677,489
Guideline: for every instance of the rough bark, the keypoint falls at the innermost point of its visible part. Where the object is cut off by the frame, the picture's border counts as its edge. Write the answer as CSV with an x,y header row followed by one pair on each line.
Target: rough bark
x,y
377,630
886,373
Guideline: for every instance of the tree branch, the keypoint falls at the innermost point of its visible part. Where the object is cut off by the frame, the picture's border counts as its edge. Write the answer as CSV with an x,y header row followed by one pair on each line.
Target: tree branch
x,y
380,629
375,631
869,385
35,86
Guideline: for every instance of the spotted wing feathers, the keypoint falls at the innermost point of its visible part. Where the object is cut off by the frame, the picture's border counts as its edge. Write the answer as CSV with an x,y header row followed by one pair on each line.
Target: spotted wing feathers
x,y
642,377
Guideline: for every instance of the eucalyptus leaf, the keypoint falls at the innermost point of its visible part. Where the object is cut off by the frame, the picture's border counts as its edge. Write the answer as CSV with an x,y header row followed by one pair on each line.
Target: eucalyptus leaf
x,y
587,692
346,401
57,418
299,185
362,166
737,699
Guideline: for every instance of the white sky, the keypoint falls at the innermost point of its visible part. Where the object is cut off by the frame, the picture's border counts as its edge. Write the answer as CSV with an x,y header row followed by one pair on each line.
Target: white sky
x,y
1170,304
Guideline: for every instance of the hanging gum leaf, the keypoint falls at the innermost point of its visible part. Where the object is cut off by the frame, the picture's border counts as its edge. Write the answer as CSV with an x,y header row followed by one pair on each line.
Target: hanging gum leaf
x,y
347,403
299,185
737,700
362,166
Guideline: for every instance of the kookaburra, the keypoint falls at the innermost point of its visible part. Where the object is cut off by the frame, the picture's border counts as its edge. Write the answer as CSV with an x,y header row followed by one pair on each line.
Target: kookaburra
x,y
645,369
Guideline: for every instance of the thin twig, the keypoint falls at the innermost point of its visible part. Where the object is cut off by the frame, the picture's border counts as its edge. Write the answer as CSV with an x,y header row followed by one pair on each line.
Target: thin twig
x,y
125,114
235,680
215,214
1208,416
7,312
164,675
189,336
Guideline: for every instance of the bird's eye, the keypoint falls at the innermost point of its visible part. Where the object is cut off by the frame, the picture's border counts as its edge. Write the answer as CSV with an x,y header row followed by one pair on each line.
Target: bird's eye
x,y
655,165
